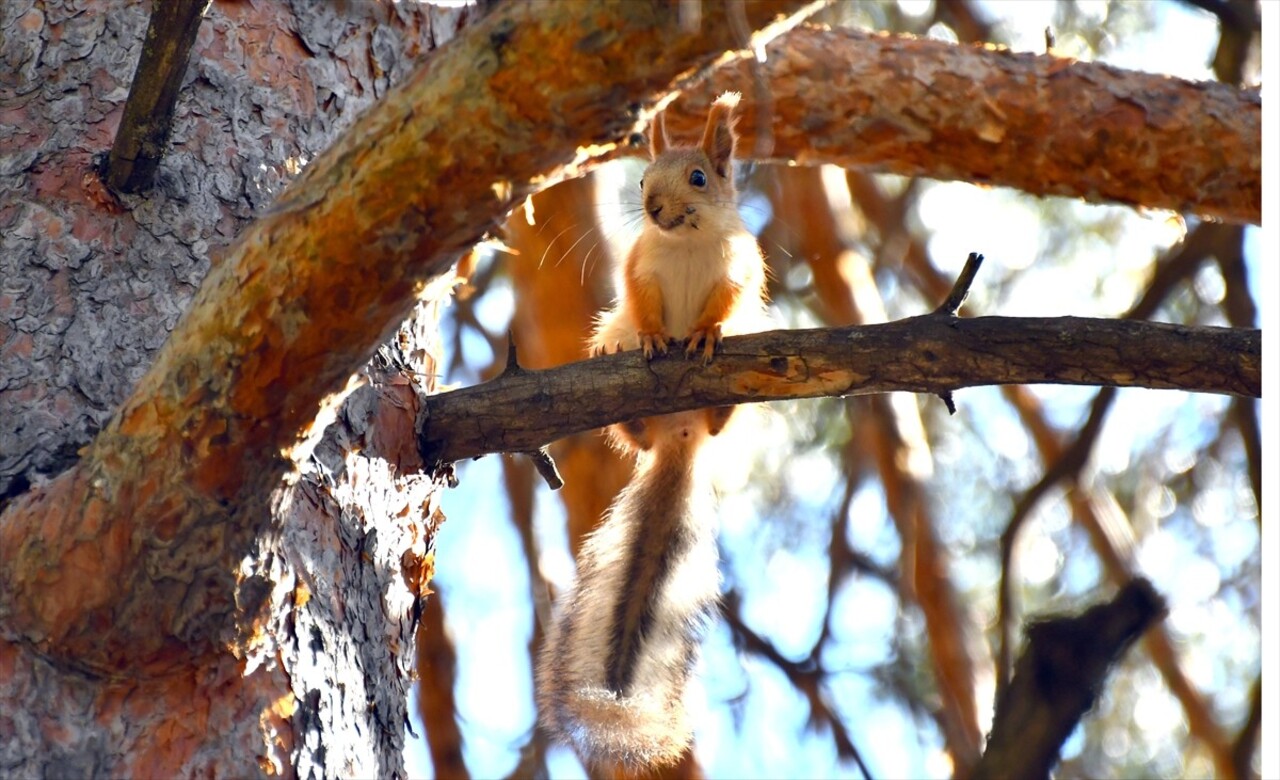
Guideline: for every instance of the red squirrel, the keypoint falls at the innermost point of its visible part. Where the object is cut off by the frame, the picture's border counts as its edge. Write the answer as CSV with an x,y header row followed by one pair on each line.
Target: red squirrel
x,y
612,673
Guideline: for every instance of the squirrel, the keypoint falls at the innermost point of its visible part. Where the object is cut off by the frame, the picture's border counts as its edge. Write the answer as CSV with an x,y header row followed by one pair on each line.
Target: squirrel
x,y
612,672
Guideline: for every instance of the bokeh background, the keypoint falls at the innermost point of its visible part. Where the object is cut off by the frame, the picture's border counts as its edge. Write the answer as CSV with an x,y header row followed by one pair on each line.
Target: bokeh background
x,y
861,548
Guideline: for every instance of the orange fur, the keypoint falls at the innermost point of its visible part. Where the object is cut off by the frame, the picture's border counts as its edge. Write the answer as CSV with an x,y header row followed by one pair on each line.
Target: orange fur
x,y
643,306
612,673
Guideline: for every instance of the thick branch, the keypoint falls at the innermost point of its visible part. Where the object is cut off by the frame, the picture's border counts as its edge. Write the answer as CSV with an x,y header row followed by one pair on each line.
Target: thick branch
x,y
933,353
148,112
1057,679
1042,124
148,529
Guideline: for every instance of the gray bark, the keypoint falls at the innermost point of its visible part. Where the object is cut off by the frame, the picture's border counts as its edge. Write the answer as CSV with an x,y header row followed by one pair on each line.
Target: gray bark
x,y
91,283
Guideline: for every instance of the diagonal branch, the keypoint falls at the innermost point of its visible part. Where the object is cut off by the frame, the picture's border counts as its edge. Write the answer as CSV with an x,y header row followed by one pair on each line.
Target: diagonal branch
x,y
1057,679
807,676
931,353
174,490
148,112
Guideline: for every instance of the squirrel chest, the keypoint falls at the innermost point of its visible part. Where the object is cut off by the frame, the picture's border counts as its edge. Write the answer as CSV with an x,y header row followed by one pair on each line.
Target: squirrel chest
x,y
688,267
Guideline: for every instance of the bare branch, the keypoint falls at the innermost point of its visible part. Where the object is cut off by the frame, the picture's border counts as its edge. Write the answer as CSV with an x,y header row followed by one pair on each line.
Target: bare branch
x,y
807,676
925,354
960,291
148,111
1057,679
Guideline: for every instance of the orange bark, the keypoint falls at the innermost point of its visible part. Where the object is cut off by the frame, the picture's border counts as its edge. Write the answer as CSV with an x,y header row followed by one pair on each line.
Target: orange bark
x,y
300,301
1039,123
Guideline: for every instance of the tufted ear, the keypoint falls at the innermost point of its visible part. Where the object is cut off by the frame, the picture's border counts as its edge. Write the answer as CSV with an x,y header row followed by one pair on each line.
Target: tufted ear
x,y
718,138
658,142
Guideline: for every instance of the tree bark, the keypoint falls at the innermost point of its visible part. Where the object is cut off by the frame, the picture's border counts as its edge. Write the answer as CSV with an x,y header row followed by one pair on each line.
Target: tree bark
x,y
293,310
189,542
1042,124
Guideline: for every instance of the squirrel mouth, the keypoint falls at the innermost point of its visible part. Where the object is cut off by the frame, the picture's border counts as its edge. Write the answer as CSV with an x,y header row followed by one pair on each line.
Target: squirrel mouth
x,y
671,224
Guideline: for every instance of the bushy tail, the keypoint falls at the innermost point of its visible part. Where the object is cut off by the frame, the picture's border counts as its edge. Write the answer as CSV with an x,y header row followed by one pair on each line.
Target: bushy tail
x,y
612,673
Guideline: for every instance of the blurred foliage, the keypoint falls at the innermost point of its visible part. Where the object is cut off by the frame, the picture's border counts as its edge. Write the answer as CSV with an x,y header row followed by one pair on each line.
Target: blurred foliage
x,y
823,609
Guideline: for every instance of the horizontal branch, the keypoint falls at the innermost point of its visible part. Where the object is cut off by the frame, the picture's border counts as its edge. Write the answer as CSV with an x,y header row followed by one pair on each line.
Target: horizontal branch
x,y
933,353
1042,124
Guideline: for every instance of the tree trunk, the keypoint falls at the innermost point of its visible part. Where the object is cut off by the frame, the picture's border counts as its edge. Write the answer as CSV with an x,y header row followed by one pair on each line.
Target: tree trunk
x,y
92,284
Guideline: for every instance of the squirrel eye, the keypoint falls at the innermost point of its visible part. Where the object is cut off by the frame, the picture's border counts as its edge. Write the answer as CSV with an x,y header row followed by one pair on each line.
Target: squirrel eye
x,y
698,178
642,184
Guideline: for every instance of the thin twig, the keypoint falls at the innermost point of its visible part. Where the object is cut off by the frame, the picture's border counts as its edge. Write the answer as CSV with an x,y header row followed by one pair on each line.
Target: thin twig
x,y
960,291
807,676
546,467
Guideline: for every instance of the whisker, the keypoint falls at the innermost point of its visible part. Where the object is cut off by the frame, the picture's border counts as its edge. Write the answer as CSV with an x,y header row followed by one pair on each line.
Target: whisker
x,y
552,243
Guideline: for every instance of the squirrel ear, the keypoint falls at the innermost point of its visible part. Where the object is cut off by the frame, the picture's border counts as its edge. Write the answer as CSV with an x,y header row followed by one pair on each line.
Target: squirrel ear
x,y
717,139
658,142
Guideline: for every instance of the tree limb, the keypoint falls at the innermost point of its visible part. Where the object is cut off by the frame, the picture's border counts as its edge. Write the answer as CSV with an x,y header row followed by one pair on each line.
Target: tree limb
x,y
1057,679
1043,124
931,353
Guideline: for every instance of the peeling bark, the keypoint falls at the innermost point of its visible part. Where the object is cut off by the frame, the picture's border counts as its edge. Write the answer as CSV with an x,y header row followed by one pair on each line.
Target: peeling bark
x,y
1042,124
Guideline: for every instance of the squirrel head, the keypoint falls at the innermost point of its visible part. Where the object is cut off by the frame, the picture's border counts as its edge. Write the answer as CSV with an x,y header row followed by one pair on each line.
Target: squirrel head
x,y
690,188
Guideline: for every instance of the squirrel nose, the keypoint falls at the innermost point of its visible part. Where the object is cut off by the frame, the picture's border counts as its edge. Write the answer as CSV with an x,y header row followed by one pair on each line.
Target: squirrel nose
x,y
652,206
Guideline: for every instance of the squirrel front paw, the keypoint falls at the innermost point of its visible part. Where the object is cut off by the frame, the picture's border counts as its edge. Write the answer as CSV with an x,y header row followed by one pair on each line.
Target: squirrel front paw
x,y
708,339
655,341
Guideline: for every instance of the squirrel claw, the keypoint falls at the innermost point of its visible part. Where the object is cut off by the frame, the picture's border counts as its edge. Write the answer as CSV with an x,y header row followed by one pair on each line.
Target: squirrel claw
x,y
605,348
653,342
706,338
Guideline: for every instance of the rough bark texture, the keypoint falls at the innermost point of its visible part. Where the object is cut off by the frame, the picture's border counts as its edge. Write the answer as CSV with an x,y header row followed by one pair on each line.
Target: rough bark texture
x,y
200,536
93,284
90,285
1042,124
927,354
294,309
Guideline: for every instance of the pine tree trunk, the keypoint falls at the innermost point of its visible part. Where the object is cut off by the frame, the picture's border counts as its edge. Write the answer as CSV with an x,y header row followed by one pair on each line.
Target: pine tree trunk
x,y
315,682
